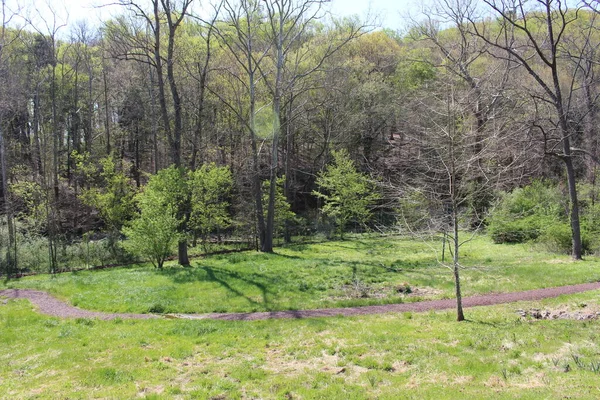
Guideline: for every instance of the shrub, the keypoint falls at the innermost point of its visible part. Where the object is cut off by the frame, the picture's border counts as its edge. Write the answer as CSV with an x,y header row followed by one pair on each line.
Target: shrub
x,y
557,238
525,213
153,234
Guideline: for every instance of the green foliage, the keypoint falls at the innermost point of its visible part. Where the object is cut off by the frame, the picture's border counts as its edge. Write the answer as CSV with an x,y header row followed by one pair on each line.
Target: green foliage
x,y
523,214
32,251
348,194
589,206
283,210
538,212
112,194
154,232
412,75
557,237
210,187
33,205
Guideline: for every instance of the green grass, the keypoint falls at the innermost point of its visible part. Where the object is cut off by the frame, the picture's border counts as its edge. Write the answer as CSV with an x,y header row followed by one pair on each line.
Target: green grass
x,y
494,354
361,271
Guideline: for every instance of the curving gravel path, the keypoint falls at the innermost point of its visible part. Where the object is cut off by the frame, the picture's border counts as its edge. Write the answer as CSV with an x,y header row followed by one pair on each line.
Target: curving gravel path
x,y
51,306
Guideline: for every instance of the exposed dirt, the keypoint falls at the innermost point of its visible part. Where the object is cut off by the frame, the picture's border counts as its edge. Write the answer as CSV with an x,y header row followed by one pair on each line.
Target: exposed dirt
x,y
54,307
579,315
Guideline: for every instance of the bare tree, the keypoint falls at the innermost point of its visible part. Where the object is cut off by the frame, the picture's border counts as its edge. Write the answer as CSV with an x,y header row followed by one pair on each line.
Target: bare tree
x,y
450,147
447,29
535,42
288,23
280,62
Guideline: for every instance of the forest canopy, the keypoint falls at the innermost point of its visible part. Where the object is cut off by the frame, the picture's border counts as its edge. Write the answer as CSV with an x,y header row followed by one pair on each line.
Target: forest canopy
x,y
250,108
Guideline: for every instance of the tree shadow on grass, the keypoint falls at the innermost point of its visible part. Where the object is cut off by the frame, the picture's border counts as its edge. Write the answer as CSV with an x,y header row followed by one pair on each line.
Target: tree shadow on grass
x,y
226,279
351,244
287,256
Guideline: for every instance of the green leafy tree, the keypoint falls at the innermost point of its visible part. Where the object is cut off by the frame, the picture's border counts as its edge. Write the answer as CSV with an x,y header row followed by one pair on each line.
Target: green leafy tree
x,y
153,234
210,186
172,182
112,195
348,194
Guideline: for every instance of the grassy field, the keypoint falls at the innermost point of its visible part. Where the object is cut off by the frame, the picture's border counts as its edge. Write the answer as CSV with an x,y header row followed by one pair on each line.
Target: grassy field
x,y
355,272
494,354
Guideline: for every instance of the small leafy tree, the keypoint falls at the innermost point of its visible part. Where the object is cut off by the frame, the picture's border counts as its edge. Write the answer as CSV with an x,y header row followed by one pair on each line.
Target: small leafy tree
x,y
210,186
153,233
348,194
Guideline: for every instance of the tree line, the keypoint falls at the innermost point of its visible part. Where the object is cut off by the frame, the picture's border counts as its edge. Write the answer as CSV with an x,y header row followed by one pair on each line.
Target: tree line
x,y
268,118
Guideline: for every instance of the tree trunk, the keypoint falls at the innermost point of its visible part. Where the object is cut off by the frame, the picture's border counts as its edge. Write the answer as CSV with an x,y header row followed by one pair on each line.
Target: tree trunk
x,y
11,250
460,316
576,252
591,135
55,133
567,158
106,113
182,254
287,235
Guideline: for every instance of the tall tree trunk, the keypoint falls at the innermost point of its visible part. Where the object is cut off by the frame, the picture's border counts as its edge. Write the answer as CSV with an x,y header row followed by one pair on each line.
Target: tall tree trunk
x,y
11,250
55,134
268,244
591,132
106,112
90,112
567,158
287,235
256,184
37,151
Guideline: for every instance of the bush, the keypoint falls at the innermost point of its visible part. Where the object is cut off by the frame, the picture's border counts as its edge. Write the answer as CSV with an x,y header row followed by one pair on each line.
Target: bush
x,y
525,213
557,238
153,233
538,212
514,230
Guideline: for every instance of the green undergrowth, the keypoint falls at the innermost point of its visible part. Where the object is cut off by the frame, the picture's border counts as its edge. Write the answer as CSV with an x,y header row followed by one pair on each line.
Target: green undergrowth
x,y
494,354
361,271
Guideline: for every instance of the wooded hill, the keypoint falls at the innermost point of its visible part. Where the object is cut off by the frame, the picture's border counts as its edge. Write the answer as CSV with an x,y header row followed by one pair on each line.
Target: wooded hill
x,y
278,120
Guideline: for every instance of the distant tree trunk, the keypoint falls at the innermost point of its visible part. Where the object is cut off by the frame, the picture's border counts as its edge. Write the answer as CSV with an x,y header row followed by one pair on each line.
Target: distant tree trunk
x,y
590,126
11,250
106,112
37,151
55,130
289,148
256,184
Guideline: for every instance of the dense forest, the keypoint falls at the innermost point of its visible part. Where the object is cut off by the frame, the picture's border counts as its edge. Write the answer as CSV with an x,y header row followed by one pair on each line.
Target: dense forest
x,y
272,119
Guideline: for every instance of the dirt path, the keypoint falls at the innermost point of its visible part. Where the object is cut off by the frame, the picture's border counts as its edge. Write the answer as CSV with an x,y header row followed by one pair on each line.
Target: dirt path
x,y
54,307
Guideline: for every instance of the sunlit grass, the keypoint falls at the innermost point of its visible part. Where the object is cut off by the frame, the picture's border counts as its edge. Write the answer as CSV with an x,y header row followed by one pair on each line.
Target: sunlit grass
x,y
360,271
494,354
